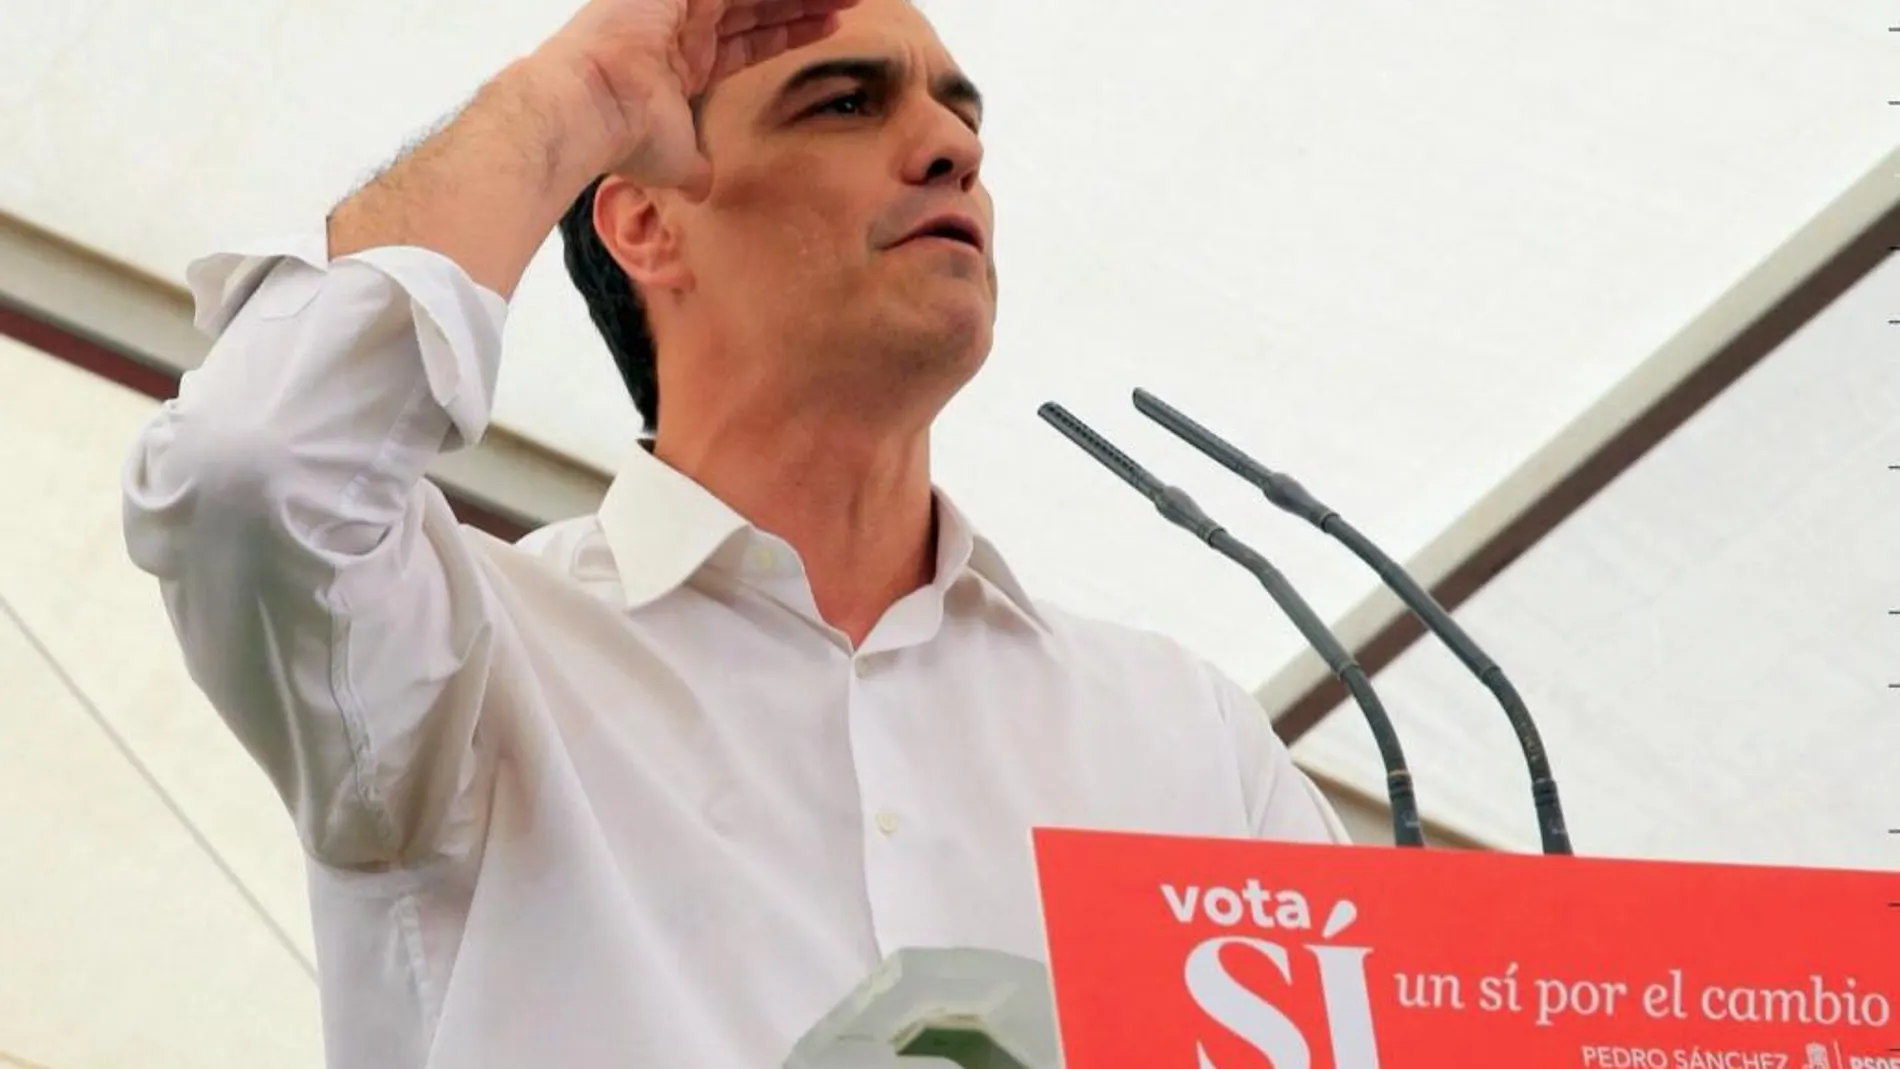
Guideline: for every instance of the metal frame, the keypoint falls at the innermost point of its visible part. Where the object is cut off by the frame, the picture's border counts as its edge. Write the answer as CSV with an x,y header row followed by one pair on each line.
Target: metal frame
x,y
135,330
1793,285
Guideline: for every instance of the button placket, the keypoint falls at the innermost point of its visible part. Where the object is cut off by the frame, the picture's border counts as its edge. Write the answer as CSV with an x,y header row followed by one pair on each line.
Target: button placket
x,y
864,666
873,746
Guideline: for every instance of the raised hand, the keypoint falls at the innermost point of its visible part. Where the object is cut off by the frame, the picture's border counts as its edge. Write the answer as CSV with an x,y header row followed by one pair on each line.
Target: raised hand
x,y
643,62
610,91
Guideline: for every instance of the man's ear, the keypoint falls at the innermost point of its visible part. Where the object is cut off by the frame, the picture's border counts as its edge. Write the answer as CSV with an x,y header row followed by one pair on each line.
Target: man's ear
x,y
639,234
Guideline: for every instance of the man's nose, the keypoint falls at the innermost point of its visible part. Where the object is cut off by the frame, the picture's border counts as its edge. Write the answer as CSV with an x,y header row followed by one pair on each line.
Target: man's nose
x,y
947,152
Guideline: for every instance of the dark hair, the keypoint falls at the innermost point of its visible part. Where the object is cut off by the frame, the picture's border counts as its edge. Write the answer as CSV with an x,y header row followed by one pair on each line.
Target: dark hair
x,y
614,303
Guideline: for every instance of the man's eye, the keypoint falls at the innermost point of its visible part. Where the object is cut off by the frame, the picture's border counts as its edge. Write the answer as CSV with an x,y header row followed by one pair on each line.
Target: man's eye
x,y
854,103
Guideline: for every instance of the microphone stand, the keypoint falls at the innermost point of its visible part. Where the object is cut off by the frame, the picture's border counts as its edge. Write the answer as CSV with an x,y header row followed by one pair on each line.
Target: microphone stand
x,y
1179,509
1287,494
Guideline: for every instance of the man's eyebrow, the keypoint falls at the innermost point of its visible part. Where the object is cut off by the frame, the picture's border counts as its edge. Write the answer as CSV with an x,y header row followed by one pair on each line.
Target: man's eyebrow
x,y
852,69
956,87
953,87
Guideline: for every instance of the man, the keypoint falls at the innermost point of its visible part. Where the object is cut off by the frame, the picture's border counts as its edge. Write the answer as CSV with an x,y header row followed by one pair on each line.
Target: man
x,y
658,786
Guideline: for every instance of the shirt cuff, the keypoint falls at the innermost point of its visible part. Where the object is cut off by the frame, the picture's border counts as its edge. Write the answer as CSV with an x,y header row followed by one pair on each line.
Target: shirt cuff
x,y
459,322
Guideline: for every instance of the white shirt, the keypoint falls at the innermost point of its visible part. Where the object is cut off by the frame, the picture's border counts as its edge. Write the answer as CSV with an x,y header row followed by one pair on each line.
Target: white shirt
x,y
617,796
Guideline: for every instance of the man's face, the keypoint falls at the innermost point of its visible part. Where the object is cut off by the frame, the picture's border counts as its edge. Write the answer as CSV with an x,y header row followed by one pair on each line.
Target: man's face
x,y
828,161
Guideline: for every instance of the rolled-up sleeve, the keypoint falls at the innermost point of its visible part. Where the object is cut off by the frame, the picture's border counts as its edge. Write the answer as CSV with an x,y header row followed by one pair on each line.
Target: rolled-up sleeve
x,y
319,585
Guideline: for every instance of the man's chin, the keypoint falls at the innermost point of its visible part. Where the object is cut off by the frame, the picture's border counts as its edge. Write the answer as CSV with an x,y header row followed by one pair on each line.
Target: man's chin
x,y
962,329
937,337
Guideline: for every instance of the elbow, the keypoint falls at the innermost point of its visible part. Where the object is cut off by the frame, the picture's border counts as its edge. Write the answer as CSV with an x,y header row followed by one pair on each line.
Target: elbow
x,y
203,487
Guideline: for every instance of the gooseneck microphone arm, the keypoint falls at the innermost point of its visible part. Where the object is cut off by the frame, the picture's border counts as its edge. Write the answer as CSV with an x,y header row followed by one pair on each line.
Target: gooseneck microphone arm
x,y
1179,509
1286,493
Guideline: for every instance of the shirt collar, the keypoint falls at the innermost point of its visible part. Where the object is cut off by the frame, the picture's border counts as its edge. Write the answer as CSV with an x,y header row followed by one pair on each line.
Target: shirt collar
x,y
663,527
962,550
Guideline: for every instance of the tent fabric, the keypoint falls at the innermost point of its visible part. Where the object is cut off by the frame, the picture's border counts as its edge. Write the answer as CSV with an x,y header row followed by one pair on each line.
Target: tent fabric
x,y
154,910
1707,646
1393,250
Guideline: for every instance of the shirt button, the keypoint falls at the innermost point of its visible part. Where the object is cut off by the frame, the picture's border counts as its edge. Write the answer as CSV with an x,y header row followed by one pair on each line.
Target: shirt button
x,y
887,822
763,560
863,667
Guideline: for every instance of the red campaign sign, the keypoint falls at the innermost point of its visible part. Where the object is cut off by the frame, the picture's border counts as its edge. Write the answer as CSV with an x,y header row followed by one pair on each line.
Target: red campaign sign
x,y
1235,954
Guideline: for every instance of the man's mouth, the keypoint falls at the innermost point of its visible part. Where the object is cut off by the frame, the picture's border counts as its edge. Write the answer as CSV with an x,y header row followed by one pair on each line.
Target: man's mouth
x,y
956,228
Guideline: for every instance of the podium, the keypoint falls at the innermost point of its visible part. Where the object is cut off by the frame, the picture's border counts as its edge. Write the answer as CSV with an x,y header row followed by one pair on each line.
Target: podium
x,y
1237,954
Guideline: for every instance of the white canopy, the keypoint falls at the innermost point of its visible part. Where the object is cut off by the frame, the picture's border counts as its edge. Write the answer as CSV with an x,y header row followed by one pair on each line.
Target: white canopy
x,y
1426,258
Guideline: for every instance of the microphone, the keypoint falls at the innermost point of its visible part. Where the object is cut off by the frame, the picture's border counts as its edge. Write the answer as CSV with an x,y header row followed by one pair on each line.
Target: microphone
x,y
1286,493
1179,509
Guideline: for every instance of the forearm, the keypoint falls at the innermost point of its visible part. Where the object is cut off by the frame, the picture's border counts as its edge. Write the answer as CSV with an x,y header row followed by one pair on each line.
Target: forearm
x,y
487,189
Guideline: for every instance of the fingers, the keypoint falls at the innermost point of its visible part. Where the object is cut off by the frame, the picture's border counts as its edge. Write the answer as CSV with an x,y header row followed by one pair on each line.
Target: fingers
x,y
807,31
742,50
699,47
744,16
752,31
